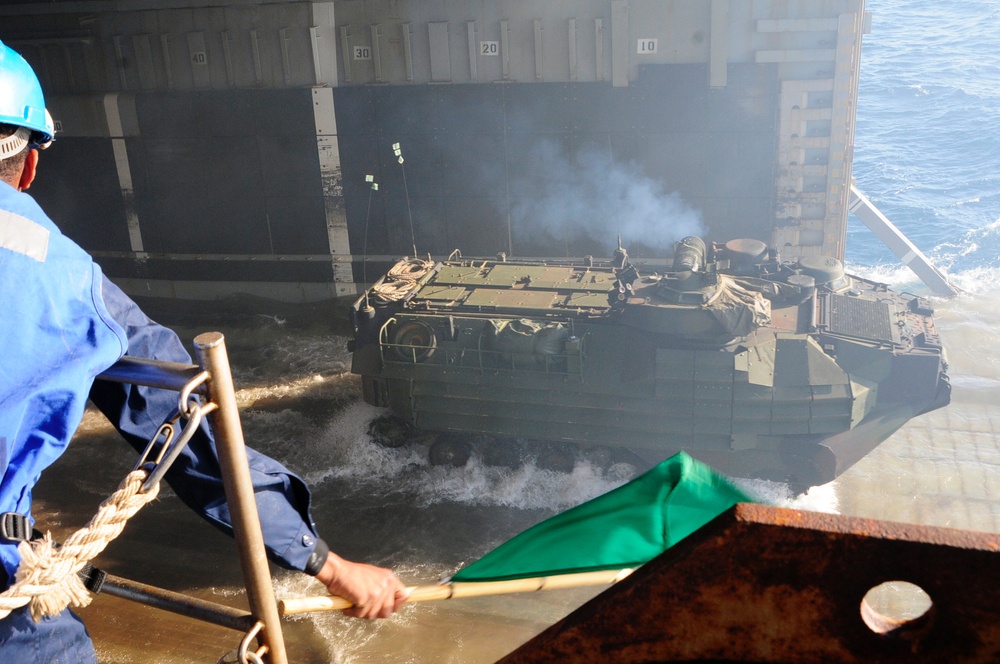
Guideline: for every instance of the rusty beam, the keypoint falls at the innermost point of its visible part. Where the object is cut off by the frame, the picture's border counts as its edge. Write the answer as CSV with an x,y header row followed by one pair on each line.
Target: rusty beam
x,y
768,584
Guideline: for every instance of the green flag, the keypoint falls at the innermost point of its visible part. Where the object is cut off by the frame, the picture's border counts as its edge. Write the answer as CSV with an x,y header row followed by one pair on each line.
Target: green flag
x,y
625,527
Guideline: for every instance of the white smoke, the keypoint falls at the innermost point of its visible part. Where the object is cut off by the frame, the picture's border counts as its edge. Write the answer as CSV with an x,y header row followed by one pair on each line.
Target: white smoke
x,y
590,195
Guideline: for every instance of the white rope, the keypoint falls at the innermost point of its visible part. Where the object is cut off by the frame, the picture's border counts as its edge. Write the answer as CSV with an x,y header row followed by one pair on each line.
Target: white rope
x,y
47,577
409,269
391,291
401,279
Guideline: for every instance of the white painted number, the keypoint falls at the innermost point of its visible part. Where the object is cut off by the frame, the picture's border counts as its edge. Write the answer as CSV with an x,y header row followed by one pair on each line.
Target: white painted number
x,y
489,48
199,58
647,46
362,53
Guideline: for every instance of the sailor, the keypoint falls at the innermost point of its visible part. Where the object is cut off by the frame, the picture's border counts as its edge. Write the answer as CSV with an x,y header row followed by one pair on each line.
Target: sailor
x,y
63,323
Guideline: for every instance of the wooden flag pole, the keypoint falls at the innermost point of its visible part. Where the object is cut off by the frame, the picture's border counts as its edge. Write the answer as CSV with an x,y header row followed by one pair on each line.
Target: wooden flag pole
x,y
457,590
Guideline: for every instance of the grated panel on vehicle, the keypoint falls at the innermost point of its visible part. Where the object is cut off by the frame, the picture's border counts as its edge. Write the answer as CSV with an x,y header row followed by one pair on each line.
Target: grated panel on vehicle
x,y
856,317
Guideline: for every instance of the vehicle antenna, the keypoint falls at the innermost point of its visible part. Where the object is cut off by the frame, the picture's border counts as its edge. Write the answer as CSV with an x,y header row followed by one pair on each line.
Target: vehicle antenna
x,y
399,157
364,264
618,208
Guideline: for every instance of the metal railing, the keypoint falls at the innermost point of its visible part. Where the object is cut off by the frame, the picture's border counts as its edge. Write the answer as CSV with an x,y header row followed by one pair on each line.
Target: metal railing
x,y
480,359
213,379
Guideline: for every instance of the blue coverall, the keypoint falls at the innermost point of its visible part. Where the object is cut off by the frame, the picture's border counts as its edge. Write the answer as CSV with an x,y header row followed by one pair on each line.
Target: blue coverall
x,y
63,323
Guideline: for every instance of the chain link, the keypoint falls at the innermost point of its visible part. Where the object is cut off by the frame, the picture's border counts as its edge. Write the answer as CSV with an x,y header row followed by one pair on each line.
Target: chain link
x,y
247,656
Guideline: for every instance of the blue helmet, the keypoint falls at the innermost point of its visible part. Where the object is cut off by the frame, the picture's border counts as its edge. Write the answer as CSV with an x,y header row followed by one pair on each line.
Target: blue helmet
x,y
22,103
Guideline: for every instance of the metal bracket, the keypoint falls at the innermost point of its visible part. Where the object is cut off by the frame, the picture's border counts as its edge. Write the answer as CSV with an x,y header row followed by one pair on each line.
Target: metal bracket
x,y
193,411
247,656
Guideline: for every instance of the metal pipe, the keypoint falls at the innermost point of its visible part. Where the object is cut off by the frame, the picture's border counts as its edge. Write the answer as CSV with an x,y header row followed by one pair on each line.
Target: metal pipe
x,y
153,373
900,245
211,350
185,605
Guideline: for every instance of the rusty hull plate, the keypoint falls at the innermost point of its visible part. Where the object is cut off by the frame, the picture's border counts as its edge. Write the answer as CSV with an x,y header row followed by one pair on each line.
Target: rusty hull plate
x,y
768,584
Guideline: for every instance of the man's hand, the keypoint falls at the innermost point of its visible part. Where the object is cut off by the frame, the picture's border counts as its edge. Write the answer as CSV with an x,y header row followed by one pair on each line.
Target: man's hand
x,y
375,591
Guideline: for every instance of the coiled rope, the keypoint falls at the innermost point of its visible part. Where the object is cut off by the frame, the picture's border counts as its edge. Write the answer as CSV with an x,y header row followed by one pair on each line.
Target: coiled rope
x,y
47,577
400,279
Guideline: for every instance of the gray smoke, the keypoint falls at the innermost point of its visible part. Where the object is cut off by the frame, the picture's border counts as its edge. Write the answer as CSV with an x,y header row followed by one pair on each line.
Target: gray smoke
x,y
589,195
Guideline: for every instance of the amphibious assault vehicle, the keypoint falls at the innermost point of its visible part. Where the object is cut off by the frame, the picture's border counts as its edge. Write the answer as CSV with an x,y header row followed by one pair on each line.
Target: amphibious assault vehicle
x,y
761,368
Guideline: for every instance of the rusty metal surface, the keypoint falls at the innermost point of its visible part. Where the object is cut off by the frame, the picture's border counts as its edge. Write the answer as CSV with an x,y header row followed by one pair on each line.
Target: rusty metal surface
x,y
768,584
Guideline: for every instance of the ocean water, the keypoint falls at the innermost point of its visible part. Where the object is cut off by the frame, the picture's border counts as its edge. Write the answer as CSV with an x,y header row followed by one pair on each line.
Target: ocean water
x,y
927,154
927,145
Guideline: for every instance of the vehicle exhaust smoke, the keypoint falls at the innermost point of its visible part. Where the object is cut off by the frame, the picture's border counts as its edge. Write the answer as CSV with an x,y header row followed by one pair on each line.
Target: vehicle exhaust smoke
x,y
590,195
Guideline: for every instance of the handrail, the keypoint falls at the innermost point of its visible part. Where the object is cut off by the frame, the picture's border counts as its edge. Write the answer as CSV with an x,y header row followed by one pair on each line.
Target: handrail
x,y
152,373
235,471
565,364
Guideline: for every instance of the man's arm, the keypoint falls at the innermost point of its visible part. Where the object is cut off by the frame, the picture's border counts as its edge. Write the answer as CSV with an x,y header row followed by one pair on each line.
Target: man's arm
x,y
282,497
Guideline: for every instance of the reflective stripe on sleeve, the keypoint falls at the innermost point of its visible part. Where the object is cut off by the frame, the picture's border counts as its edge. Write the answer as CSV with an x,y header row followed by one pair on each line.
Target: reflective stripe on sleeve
x,y
23,236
